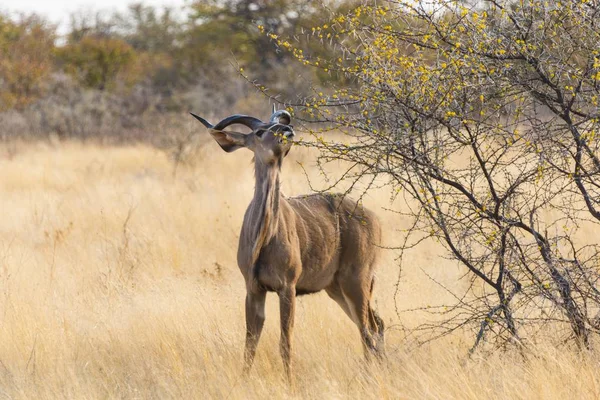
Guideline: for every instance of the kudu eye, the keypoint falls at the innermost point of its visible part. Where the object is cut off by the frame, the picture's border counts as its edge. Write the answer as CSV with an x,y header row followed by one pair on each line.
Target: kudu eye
x,y
260,132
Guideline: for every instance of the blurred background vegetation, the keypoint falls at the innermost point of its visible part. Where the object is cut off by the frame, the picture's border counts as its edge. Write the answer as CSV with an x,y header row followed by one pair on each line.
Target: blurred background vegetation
x,y
132,75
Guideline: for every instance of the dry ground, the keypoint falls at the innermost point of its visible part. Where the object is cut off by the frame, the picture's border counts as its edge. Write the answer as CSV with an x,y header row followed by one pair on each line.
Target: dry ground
x,y
118,280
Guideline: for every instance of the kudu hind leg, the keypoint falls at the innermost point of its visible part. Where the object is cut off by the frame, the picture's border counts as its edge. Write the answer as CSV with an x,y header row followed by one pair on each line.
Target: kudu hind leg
x,y
377,330
377,325
335,292
255,319
357,296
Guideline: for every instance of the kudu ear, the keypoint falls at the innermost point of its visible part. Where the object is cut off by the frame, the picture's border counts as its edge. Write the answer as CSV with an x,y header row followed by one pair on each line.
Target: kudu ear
x,y
229,141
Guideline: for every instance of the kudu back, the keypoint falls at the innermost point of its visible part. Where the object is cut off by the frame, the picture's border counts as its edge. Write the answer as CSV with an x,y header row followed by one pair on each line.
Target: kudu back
x,y
299,245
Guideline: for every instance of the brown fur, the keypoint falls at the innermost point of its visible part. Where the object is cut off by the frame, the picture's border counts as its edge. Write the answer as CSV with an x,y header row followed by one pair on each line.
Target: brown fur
x,y
301,245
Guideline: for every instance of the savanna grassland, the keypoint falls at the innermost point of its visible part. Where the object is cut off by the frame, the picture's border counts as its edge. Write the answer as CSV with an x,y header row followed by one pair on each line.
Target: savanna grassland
x,y
118,279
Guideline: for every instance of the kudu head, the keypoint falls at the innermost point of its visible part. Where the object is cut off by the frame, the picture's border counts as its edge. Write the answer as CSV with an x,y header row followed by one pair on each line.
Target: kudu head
x,y
270,141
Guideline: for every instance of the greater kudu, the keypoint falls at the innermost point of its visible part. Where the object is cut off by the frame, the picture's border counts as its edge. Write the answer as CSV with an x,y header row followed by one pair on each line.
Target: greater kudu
x,y
299,245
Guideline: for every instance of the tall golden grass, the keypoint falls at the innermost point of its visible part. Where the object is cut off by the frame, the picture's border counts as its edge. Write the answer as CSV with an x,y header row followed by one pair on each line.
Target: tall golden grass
x,y
118,280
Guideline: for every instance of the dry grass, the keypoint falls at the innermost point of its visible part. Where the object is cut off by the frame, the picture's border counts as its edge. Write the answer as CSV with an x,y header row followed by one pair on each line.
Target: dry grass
x,y
118,280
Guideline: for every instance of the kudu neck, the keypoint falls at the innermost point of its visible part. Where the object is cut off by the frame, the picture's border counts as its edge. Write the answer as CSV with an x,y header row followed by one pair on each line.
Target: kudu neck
x,y
267,183
264,209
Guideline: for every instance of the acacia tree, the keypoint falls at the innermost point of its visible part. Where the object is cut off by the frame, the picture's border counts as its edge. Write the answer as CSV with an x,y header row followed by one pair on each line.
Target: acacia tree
x,y
486,117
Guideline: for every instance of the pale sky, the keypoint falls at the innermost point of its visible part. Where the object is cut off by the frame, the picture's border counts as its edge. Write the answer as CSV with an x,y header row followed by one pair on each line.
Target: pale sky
x,y
58,10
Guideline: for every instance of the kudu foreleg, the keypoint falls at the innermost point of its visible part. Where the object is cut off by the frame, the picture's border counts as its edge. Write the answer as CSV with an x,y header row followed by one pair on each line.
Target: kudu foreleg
x,y
287,306
255,319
